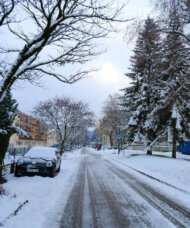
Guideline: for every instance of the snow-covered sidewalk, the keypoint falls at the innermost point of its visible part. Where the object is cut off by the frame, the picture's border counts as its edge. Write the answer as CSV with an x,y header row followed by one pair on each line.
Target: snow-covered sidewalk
x,y
151,169
173,171
44,197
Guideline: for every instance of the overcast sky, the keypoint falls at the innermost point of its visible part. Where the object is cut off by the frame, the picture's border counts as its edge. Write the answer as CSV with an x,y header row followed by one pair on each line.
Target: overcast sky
x,y
107,80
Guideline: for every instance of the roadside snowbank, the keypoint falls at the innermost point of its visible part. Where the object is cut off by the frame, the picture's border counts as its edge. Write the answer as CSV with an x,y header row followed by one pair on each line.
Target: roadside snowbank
x,y
46,196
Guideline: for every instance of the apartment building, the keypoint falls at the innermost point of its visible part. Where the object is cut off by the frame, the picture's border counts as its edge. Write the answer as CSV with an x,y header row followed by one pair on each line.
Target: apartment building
x,y
52,137
36,130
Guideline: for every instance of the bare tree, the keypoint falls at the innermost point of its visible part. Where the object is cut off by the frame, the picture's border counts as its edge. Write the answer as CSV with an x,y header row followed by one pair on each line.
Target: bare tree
x,y
65,116
62,32
82,119
56,113
105,128
113,119
6,8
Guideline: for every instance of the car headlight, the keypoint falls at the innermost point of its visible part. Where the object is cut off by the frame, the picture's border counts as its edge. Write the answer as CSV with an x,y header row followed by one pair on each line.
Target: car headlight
x,y
49,164
20,162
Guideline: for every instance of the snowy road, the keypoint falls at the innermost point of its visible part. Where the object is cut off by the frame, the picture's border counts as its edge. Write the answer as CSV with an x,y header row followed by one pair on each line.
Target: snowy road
x,y
104,195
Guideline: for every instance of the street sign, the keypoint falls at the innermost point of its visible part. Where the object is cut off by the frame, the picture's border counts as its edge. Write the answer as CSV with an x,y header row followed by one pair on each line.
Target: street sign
x,y
118,135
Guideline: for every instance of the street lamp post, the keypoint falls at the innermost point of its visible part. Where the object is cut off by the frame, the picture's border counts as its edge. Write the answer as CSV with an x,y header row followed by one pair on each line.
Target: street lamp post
x,y
118,135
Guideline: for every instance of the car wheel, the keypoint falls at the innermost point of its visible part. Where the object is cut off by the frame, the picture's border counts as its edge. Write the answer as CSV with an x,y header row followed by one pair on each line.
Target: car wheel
x,y
52,173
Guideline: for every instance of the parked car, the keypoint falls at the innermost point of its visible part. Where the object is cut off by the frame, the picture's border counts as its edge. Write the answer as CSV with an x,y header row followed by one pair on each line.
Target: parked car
x,y
44,161
57,146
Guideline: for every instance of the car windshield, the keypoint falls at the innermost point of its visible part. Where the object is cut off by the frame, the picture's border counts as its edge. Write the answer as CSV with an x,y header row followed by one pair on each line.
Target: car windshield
x,y
41,152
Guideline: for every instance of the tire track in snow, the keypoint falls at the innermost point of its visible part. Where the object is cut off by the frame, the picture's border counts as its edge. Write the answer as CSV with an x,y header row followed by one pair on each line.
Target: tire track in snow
x,y
72,216
96,201
174,212
151,177
117,218
95,212
122,198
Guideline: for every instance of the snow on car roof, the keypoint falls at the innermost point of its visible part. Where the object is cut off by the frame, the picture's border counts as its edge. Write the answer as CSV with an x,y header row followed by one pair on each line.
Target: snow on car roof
x,y
41,152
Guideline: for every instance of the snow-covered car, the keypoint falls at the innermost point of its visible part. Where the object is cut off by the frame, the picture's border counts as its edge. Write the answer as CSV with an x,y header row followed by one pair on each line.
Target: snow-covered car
x,y
44,161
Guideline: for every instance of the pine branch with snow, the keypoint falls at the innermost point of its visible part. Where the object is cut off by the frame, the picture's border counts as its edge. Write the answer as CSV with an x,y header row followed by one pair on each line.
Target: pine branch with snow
x,y
139,99
172,112
7,113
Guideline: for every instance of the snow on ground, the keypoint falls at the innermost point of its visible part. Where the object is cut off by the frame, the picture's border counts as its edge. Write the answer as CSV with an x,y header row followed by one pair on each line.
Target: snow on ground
x,y
172,171
46,196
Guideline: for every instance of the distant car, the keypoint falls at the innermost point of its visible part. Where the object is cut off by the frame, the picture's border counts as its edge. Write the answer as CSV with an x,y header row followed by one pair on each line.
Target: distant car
x,y
44,161
57,146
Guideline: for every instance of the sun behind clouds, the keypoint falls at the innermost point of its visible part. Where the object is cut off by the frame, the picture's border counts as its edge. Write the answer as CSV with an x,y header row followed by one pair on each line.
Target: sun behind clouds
x,y
108,73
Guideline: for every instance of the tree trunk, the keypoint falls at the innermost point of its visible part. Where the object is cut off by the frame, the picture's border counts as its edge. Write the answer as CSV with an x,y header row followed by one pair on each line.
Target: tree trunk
x,y
10,79
4,144
62,147
111,140
63,139
71,145
149,151
174,140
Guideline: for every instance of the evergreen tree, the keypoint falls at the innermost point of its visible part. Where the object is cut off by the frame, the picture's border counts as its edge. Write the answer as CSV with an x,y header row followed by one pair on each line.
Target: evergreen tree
x,y
140,97
7,112
172,112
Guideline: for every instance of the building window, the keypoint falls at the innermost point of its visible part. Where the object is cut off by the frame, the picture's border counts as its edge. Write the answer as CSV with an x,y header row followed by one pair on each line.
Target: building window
x,y
19,143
